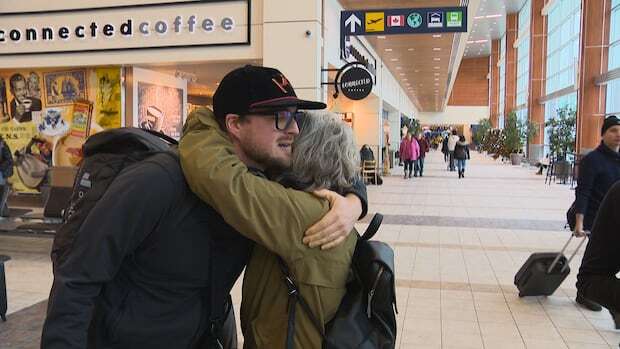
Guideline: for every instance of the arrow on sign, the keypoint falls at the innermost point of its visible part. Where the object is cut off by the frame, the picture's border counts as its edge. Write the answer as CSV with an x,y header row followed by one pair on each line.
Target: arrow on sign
x,y
352,21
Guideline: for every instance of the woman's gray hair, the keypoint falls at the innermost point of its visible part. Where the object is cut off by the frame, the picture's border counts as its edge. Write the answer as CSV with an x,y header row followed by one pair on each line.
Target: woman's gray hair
x,y
324,153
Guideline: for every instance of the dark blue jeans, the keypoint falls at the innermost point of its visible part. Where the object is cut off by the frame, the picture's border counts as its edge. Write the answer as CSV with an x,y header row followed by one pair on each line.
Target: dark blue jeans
x,y
460,164
419,166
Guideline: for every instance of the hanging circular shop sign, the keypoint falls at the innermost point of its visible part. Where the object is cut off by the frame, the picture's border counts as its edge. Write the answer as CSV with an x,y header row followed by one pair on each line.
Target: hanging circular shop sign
x,y
355,82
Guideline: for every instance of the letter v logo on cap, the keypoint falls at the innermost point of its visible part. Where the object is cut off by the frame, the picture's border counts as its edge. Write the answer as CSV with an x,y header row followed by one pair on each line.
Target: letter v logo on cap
x,y
282,84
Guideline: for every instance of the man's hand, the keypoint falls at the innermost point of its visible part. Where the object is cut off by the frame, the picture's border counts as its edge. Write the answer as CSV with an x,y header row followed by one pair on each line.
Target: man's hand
x,y
579,225
336,225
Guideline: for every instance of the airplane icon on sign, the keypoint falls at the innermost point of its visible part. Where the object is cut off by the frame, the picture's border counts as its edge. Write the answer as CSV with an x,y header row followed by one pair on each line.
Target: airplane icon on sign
x,y
373,21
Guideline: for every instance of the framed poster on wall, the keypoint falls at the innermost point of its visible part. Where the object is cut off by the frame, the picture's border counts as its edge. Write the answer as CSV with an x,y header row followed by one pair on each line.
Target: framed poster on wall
x,y
62,88
160,102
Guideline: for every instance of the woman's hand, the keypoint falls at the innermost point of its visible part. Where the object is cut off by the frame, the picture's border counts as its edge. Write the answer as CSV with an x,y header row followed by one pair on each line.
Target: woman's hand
x,y
336,225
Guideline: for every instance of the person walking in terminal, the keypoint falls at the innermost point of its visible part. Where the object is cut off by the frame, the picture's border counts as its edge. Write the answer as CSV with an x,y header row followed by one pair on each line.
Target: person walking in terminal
x,y
406,154
461,154
424,146
227,160
597,279
152,265
444,148
598,171
452,140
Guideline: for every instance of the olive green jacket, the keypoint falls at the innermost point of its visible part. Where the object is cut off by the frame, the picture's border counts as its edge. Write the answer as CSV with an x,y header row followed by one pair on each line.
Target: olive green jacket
x,y
275,218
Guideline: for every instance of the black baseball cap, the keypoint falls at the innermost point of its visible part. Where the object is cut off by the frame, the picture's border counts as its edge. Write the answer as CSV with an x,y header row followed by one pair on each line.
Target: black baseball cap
x,y
256,89
609,123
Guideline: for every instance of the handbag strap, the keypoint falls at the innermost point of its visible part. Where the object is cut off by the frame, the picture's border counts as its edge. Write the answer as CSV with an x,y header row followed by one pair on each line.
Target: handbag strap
x,y
294,298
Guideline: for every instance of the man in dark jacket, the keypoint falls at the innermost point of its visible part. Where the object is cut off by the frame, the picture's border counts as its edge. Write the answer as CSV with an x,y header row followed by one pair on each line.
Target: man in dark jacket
x,y
597,280
424,148
141,270
598,171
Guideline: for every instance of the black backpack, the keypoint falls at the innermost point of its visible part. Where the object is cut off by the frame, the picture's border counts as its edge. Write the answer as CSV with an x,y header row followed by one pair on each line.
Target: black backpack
x,y
366,316
105,155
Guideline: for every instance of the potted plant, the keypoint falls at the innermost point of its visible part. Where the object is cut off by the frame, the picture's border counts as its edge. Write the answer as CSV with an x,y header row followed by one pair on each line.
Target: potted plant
x,y
561,131
480,133
516,134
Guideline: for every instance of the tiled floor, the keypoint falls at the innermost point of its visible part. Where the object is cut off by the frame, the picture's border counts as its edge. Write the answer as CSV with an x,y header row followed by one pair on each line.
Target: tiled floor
x,y
458,244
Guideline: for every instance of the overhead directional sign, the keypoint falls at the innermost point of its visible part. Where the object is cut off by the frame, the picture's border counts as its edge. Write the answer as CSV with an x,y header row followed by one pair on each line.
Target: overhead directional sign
x,y
402,21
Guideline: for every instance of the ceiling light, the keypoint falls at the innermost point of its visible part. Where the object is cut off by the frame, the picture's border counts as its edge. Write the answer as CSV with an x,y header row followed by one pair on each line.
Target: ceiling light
x,y
405,79
436,79
436,48
420,84
435,67
493,16
402,74
416,71
399,68
479,17
470,42
388,50
437,59
394,59
436,35
480,41
410,49
436,74
381,37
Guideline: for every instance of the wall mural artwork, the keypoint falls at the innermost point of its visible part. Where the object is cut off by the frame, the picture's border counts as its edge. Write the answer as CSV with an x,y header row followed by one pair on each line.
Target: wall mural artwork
x,y
108,104
62,88
46,116
160,108
160,102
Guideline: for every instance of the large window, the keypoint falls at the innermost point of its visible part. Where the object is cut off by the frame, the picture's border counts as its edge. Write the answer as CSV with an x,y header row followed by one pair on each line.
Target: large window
x,y
502,80
551,110
563,39
563,26
523,62
523,56
613,87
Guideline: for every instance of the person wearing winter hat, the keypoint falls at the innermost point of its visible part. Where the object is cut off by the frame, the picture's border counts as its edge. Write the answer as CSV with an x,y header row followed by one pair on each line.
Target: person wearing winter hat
x,y
598,171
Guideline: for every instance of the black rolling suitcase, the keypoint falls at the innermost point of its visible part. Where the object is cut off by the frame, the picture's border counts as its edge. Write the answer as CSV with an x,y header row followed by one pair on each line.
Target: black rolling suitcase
x,y
543,272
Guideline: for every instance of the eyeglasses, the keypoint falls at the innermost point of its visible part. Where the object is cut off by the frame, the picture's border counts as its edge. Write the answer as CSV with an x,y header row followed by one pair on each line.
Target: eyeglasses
x,y
284,118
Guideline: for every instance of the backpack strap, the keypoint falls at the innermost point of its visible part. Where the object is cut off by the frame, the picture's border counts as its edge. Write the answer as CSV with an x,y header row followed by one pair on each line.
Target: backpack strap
x,y
294,298
374,225
163,136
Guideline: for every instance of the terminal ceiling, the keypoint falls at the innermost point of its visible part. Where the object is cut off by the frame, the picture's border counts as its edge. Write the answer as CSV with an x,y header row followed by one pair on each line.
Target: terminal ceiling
x,y
426,64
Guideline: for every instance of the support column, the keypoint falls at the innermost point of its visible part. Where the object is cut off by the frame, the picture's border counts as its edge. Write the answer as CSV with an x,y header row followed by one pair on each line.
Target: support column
x,y
284,36
512,31
595,18
494,85
538,62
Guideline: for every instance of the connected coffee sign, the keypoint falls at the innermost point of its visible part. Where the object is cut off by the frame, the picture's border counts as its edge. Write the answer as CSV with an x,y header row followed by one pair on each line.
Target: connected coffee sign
x,y
403,21
179,24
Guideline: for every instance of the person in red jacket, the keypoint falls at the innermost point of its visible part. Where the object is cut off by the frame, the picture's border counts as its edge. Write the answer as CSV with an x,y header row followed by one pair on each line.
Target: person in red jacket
x,y
424,148
408,153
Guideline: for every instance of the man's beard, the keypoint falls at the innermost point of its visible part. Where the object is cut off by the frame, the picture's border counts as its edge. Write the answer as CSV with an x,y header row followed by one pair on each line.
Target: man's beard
x,y
273,166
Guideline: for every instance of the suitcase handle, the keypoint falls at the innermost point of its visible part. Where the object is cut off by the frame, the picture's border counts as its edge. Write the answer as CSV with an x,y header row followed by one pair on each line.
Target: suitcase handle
x,y
557,258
